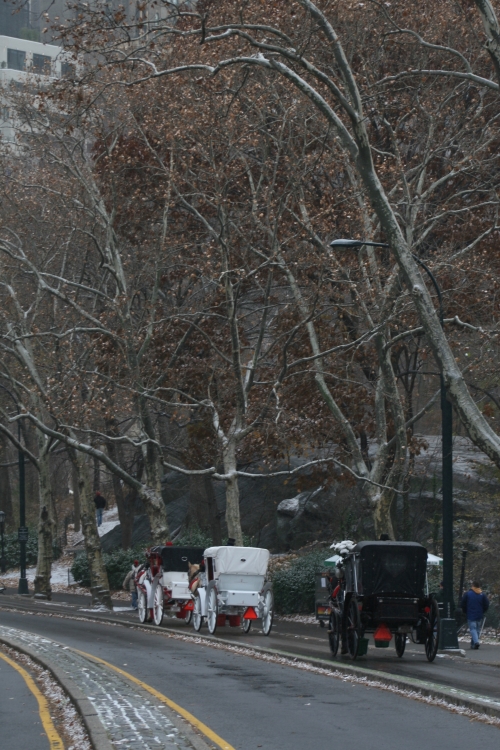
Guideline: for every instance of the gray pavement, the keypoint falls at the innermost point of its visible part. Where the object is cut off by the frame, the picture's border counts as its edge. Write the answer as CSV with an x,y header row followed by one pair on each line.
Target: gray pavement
x,y
478,672
132,719
251,703
20,724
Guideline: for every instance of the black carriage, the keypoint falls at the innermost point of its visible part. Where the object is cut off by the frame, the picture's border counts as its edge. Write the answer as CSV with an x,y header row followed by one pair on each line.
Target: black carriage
x,y
383,592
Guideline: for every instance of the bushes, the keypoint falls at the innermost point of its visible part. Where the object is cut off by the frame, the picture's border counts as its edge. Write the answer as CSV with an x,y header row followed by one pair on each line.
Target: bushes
x,y
118,563
294,585
80,570
193,536
12,549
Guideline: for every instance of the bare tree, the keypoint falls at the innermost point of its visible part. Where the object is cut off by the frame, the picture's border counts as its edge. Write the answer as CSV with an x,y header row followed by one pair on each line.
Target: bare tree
x,y
298,48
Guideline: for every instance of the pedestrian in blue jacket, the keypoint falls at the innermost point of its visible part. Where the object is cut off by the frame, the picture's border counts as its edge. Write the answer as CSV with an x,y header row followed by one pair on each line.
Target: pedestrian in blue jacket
x,y
475,605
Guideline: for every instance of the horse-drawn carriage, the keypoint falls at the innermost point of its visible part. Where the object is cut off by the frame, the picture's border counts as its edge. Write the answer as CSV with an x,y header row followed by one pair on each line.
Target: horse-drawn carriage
x,y
383,591
233,588
163,583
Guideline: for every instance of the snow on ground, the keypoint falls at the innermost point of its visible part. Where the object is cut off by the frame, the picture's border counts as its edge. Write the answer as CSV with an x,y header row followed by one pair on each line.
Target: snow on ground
x,y
304,619
109,521
59,574
61,580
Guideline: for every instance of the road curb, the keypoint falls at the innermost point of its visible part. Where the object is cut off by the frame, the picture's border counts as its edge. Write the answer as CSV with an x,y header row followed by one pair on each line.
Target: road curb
x,y
97,732
456,697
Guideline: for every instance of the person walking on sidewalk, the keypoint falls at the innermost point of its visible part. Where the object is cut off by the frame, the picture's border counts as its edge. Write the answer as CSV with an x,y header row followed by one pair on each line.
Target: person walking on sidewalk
x,y
129,583
100,504
475,605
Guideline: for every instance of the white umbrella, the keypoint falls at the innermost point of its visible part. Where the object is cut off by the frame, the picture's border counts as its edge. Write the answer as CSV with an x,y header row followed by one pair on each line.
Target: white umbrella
x,y
331,562
434,559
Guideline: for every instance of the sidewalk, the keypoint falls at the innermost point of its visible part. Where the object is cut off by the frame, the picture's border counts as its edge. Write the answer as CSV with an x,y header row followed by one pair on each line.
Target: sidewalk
x,y
131,718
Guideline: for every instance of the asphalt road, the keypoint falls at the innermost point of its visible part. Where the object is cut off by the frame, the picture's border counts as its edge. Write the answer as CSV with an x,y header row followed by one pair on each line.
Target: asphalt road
x,y
478,672
254,704
20,724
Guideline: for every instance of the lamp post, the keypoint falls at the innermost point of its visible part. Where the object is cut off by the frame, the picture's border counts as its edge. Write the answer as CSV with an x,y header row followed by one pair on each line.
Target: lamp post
x,y
448,630
22,532
2,525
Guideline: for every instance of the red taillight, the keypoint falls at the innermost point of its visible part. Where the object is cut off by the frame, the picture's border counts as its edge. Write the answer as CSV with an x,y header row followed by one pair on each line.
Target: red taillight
x,y
250,614
382,633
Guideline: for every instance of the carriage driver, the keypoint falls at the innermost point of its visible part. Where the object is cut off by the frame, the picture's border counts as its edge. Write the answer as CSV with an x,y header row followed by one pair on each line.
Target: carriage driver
x,y
129,582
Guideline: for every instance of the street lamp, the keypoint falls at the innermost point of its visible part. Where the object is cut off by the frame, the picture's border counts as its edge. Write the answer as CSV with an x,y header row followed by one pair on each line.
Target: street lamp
x,y
448,633
2,524
22,532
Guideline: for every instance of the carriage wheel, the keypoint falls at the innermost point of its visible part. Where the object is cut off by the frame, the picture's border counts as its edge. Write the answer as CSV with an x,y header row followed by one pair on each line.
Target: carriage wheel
x,y
334,632
246,625
142,606
432,641
400,643
189,616
158,605
212,607
267,609
197,616
353,628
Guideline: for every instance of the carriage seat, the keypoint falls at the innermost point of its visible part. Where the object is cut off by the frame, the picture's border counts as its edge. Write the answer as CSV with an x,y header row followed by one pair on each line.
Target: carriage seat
x,y
178,583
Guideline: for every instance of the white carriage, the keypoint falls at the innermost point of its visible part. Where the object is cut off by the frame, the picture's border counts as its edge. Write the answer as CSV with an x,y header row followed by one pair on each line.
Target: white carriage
x,y
163,585
234,588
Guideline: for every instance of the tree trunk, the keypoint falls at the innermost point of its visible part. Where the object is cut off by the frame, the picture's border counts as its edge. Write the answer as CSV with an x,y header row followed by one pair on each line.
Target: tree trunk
x,y
157,514
5,489
203,509
197,502
76,497
30,472
99,585
213,511
151,494
97,475
46,522
124,504
382,503
232,493
492,31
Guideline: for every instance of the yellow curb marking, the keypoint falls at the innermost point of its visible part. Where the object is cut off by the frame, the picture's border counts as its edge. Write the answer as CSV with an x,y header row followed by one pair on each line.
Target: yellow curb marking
x,y
53,737
163,698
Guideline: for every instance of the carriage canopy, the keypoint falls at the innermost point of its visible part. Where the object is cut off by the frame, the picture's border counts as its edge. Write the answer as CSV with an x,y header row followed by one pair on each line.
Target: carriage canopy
x,y
239,560
177,558
390,568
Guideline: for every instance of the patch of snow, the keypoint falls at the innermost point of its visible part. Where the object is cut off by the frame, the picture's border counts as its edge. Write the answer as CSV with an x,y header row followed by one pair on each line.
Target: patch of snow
x,y
123,609
289,507
59,574
109,521
304,619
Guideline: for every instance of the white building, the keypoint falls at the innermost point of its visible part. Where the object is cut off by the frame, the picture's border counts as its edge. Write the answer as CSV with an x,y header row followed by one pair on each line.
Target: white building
x,y
20,58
